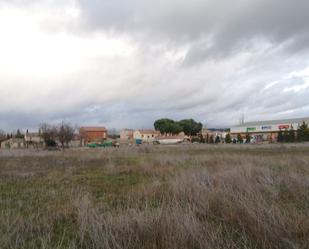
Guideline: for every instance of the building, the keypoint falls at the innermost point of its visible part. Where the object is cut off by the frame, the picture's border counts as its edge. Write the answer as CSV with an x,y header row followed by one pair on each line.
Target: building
x,y
76,141
33,139
126,135
172,139
147,135
213,135
13,143
266,130
92,134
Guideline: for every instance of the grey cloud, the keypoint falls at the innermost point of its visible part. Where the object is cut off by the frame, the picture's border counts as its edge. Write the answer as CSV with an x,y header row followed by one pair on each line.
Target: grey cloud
x,y
232,50
231,24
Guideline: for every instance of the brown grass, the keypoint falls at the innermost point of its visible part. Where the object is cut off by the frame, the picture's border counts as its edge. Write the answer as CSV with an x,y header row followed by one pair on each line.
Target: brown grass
x,y
156,197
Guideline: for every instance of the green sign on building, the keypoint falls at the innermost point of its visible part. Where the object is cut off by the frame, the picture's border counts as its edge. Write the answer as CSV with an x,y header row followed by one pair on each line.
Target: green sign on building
x,y
251,129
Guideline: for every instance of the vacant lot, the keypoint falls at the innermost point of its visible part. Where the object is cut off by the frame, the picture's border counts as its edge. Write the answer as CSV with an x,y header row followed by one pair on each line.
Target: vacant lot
x,y
178,197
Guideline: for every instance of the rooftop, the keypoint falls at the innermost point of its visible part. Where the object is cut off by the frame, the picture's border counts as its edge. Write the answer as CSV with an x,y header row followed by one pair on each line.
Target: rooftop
x,y
148,131
274,122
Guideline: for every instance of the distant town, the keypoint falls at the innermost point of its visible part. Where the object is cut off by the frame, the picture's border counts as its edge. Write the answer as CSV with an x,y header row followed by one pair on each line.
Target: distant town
x,y
165,132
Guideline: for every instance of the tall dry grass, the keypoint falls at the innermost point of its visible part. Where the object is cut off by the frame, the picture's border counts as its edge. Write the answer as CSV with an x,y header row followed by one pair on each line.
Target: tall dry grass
x,y
156,197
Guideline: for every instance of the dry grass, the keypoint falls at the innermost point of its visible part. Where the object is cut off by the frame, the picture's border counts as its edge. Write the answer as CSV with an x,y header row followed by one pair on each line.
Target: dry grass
x,y
156,197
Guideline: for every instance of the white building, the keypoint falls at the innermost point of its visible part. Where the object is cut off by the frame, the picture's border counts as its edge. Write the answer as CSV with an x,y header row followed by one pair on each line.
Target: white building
x,y
146,135
13,143
126,135
267,130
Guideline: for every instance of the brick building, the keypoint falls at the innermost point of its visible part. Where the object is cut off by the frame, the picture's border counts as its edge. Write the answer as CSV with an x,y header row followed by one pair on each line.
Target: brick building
x,y
92,134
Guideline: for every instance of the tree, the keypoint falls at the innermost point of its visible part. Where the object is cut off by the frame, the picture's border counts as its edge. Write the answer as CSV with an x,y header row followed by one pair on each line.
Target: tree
x,y
303,132
2,136
166,125
228,138
286,137
190,127
217,140
291,135
19,134
280,136
239,139
248,138
65,133
49,134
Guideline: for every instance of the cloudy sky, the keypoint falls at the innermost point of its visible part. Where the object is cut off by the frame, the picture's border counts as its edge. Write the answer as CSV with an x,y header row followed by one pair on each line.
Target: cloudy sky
x,y
126,63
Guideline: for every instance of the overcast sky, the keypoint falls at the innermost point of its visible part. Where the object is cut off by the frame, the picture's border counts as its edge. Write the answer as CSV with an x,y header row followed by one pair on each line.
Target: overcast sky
x,y
124,64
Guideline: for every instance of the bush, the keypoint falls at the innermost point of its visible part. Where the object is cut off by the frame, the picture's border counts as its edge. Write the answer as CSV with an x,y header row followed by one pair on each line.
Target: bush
x,y
51,143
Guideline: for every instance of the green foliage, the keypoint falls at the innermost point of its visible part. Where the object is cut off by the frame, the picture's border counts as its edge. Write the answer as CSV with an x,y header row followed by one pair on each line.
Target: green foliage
x,y
50,143
303,132
167,126
190,127
228,138
239,138
19,134
291,135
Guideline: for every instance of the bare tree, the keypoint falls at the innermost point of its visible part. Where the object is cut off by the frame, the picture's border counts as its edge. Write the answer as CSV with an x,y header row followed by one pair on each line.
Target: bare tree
x,y
49,134
2,136
65,133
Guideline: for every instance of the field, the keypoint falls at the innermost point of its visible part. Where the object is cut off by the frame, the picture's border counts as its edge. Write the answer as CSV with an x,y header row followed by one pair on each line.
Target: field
x,y
193,196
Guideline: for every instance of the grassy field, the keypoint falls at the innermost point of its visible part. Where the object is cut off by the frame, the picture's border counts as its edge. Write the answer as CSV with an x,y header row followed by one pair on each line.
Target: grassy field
x,y
152,197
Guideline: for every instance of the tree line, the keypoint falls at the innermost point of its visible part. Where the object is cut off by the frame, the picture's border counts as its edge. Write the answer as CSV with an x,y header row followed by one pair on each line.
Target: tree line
x,y
63,132
292,135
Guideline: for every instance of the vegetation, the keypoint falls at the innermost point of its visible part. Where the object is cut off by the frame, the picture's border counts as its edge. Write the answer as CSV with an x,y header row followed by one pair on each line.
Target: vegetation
x,y
248,138
290,136
2,136
19,134
228,138
239,138
280,136
155,197
303,132
63,132
189,126
167,126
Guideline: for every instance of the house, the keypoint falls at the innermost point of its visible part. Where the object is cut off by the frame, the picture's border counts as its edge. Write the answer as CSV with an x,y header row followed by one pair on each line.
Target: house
x,y
92,134
147,135
126,135
13,143
33,139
